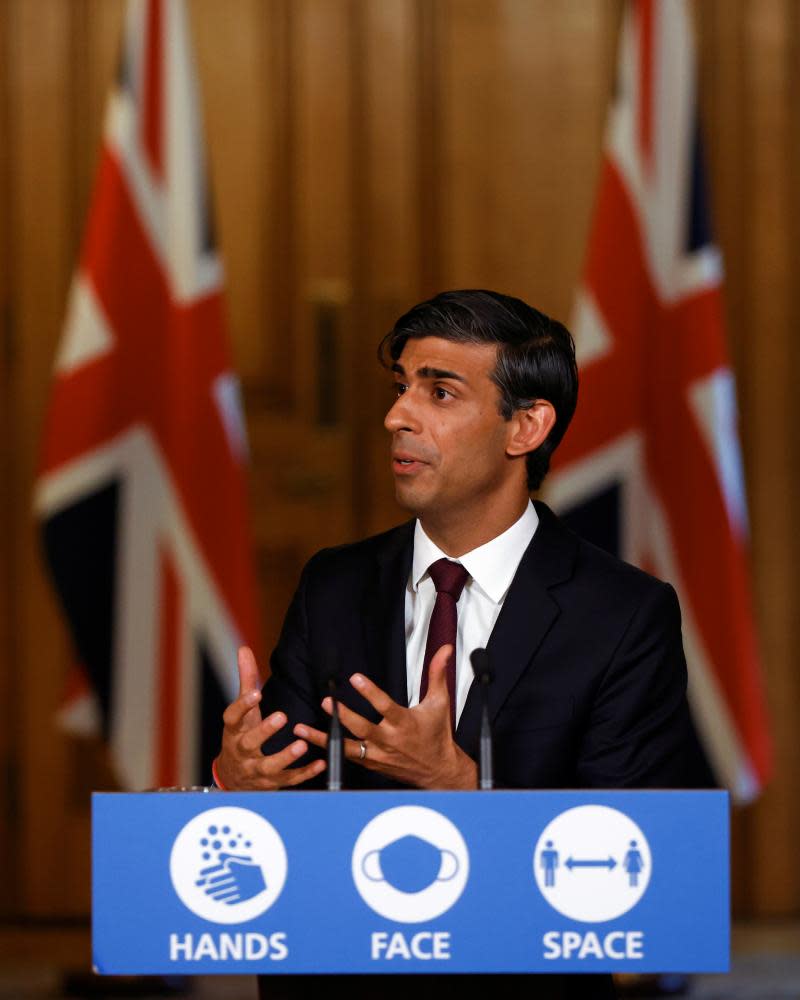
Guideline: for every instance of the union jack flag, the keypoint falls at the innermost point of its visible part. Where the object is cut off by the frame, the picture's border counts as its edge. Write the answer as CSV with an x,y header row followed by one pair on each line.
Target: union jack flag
x,y
141,490
651,466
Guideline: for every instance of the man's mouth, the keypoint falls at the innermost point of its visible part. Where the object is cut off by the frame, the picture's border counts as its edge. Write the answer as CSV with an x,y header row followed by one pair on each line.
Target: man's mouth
x,y
402,463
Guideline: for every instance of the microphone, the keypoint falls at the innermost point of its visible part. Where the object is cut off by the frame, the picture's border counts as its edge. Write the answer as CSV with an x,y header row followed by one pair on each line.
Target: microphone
x,y
335,745
482,668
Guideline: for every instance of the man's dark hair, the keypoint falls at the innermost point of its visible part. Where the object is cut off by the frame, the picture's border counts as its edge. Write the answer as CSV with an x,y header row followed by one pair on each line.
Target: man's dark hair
x,y
535,355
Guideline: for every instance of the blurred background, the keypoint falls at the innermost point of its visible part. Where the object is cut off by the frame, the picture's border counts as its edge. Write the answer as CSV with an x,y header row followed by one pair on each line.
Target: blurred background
x,y
363,155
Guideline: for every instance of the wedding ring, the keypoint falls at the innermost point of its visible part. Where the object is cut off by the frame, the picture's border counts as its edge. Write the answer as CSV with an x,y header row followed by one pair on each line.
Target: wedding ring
x,y
363,753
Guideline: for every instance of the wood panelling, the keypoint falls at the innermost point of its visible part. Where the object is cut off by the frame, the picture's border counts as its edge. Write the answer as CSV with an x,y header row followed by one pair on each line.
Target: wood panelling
x,y
241,99
389,246
41,198
523,105
770,315
364,154
721,45
749,76
8,680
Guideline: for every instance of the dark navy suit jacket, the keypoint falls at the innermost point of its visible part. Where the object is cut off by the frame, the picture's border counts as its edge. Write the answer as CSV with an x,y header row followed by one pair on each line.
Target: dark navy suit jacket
x,y
589,687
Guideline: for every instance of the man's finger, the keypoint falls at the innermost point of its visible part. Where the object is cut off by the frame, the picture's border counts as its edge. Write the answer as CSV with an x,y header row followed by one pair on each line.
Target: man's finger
x,y
377,697
357,724
285,777
372,754
351,748
301,774
235,715
271,765
315,736
249,677
266,728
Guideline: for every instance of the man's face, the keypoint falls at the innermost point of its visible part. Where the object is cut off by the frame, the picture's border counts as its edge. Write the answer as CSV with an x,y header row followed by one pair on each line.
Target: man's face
x,y
448,437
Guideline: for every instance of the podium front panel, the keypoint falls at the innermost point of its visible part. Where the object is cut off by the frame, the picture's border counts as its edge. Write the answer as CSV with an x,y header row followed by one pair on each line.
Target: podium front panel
x,y
410,882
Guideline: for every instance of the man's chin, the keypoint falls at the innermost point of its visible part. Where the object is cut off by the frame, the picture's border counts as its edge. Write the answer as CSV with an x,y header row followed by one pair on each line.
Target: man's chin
x,y
409,498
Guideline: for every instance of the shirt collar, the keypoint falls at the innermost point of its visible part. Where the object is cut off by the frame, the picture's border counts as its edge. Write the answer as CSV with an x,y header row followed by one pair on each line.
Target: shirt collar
x,y
492,565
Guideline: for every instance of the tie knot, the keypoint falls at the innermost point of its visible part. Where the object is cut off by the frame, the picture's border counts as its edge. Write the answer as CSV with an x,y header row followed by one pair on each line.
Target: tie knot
x,y
448,577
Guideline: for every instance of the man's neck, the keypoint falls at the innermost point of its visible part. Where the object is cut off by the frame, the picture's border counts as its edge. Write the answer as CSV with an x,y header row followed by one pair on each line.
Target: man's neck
x,y
456,535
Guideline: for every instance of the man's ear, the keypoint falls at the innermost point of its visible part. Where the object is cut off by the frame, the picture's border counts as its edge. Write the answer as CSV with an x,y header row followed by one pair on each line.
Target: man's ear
x,y
529,428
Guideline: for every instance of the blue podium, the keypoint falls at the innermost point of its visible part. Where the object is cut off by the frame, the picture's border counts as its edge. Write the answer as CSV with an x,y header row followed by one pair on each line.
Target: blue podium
x,y
409,882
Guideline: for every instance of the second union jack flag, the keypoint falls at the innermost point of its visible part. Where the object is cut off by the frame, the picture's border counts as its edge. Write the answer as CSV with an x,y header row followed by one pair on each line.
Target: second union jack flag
x,y
651,466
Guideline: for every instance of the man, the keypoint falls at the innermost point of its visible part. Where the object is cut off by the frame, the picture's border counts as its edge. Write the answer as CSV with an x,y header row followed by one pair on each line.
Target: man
x,y
589,685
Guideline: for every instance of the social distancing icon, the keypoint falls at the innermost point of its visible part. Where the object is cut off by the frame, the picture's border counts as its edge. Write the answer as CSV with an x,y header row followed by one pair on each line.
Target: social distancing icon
x,y
592,863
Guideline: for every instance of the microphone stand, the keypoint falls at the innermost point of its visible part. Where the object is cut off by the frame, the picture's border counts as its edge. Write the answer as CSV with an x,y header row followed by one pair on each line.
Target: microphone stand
x,y
335,751
481,667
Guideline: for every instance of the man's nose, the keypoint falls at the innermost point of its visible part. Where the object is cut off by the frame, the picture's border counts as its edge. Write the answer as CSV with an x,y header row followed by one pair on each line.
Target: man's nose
x,y
401,416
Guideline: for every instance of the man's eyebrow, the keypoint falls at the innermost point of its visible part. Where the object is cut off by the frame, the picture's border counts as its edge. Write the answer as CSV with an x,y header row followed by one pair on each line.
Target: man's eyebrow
x,y
427,372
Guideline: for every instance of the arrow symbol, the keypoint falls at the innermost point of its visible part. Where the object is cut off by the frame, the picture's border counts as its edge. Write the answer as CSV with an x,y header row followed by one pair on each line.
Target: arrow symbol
x,y
609,863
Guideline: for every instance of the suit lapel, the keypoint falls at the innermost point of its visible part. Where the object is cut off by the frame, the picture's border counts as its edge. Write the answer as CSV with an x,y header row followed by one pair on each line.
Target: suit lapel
x,y
528,612
384,614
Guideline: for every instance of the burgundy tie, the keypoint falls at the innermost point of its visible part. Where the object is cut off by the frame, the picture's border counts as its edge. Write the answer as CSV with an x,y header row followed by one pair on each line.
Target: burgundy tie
x,y
449,579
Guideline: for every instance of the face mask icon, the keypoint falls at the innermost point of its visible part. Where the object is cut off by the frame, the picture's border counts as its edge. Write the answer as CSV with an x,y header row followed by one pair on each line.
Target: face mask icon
x,y
410,864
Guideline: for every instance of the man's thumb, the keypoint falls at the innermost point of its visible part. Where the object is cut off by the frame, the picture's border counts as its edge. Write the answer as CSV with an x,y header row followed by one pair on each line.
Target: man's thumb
x,y
437,671
249,678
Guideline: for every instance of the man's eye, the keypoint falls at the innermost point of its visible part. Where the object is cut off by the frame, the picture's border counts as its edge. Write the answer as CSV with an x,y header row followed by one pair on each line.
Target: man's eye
x,y
399,388
441,393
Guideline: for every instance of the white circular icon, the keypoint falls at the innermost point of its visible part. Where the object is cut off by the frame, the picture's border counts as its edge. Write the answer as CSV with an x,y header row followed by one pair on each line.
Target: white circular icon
x,y
592,863
410,864
228,865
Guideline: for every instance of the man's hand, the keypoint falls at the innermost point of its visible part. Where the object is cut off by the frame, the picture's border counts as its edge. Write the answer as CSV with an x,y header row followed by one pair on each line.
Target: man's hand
x,y
241,765
412,745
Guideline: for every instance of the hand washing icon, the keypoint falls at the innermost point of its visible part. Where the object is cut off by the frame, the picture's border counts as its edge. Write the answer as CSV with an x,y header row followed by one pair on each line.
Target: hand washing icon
x,y
410,864
228,865
232,875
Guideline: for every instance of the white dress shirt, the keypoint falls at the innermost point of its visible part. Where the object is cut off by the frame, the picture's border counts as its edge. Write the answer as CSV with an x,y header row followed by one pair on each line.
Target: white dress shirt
x,y
491,569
